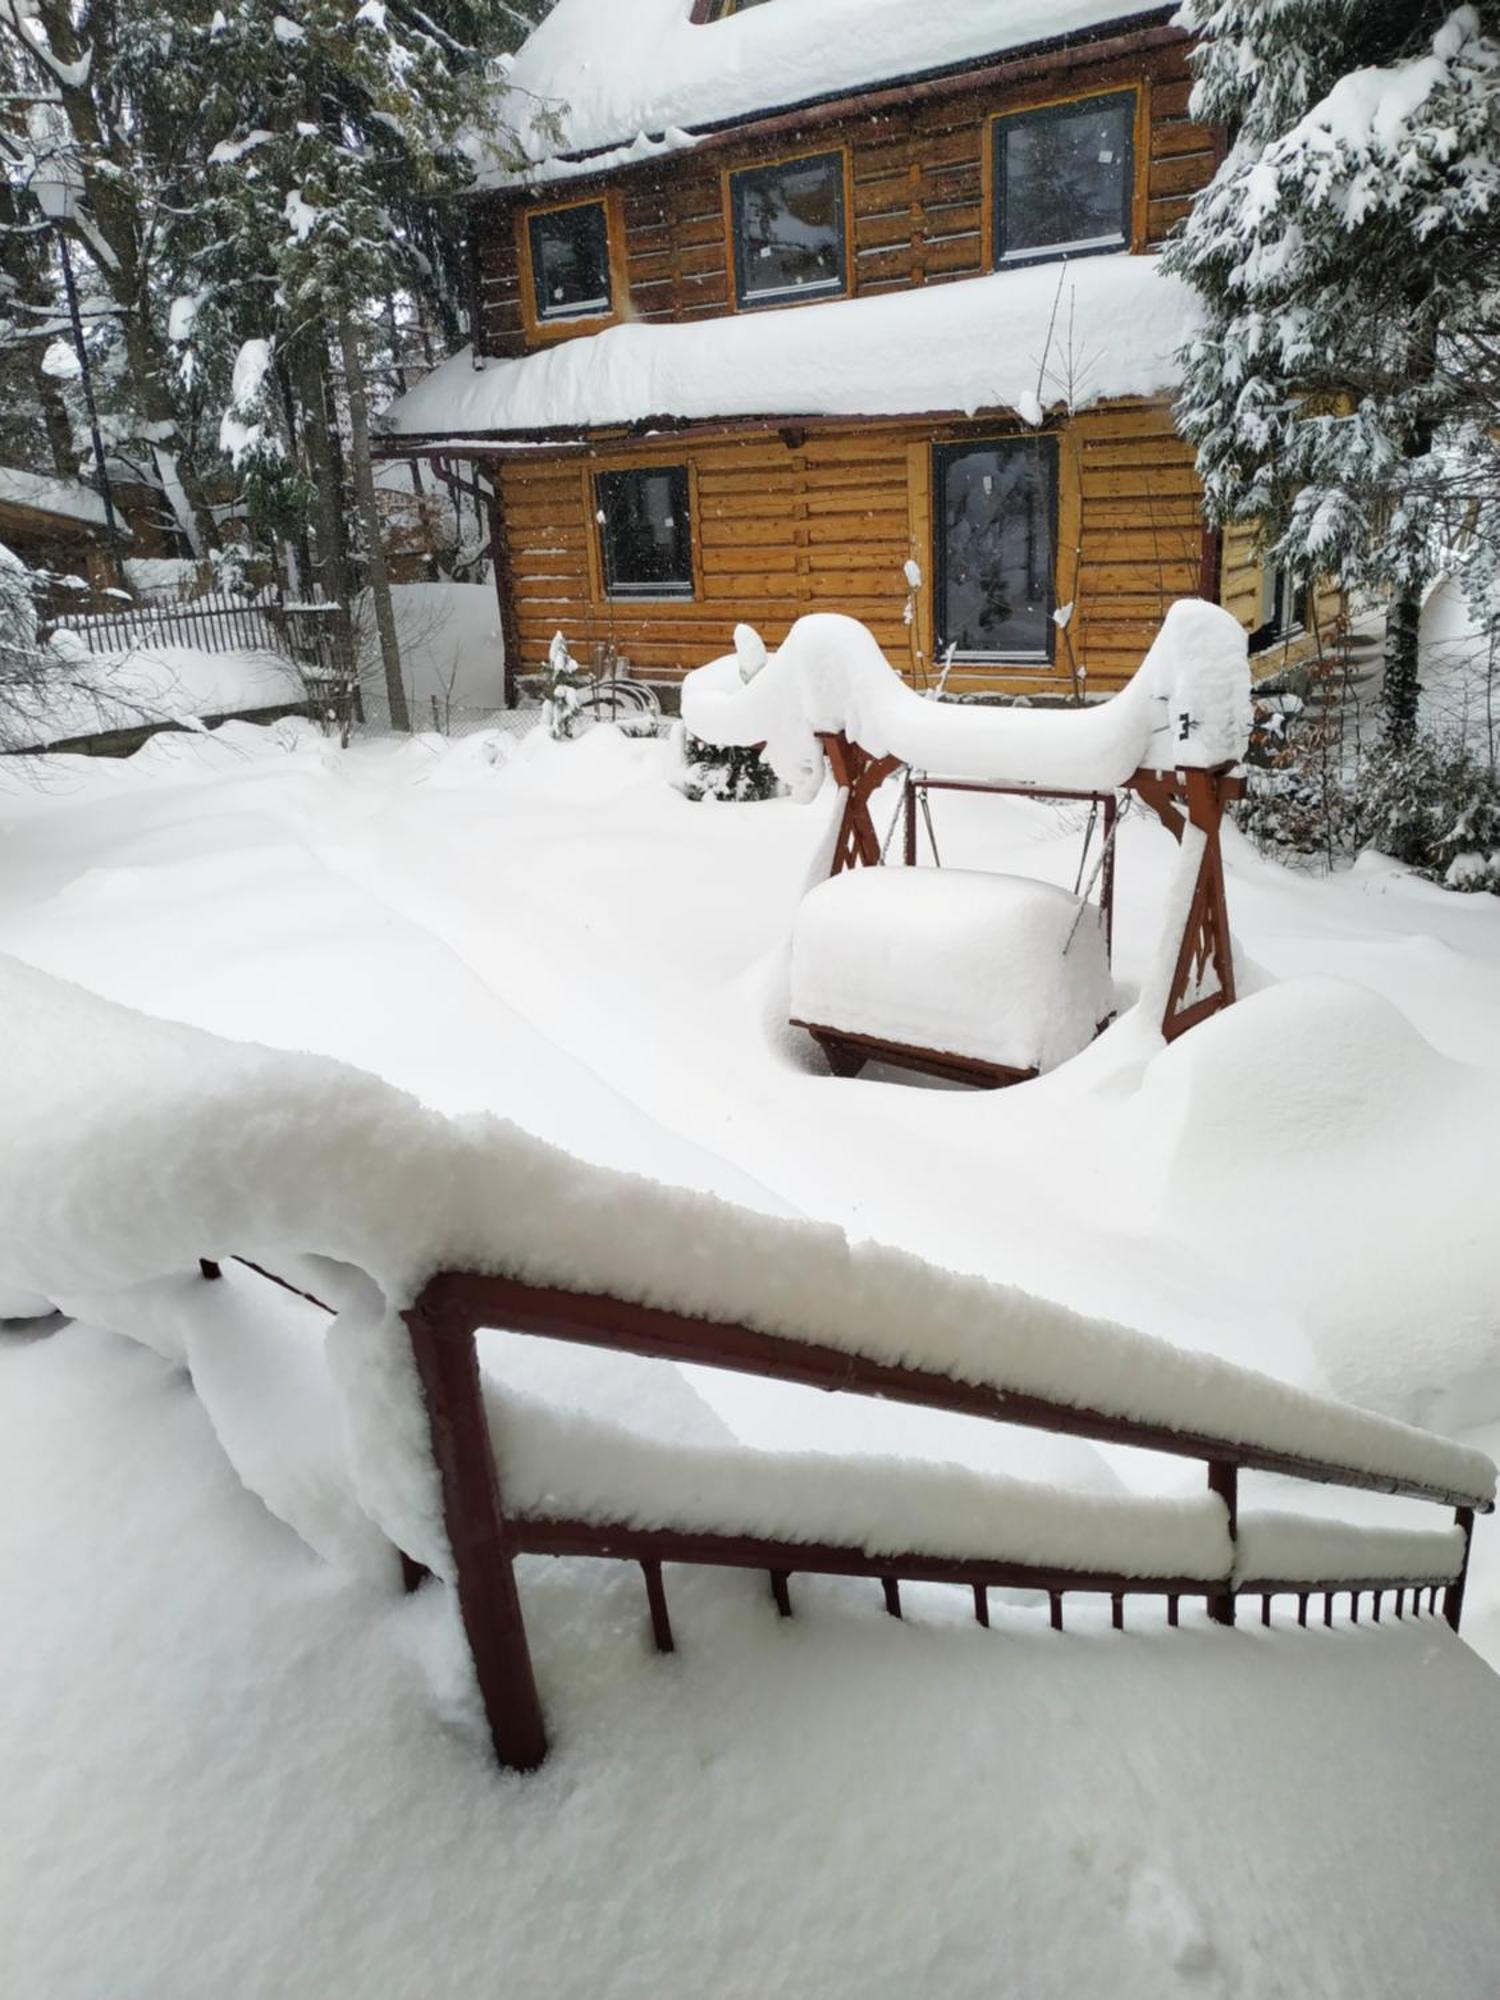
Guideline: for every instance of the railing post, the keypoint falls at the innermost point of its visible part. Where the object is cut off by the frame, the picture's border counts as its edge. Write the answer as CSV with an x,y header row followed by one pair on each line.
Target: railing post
x,y
1224,1479
1453,1596
483,1571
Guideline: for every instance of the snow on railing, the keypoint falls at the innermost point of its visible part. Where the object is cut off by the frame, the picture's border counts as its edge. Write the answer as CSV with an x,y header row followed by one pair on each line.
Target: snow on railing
x,y
132,1147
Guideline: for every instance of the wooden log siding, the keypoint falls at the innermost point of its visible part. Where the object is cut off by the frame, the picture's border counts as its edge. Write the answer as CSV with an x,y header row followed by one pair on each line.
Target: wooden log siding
x,y
828,521
920,182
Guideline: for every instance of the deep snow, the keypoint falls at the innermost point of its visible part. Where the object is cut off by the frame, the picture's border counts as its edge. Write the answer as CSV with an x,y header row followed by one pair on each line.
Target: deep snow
x,y
221,1759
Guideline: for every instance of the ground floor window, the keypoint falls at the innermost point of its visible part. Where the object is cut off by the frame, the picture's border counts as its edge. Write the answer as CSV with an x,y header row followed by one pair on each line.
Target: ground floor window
x,y
1284,607
645,532
995,518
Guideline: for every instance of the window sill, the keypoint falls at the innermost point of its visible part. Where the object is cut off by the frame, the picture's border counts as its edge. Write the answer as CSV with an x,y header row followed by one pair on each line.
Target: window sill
x,y
805,295
1063,253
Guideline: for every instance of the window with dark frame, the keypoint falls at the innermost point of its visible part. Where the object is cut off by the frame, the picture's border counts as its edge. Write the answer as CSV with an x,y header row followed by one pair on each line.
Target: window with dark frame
x,y
995,519
1064,179
1285,607
645,532
789,230
570,272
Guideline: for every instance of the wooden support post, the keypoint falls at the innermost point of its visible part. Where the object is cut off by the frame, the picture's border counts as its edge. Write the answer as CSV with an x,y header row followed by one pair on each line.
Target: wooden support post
x,y
1453,1596
781,1591
483,1572
892,1587
1224,1479
981,1604
656,1597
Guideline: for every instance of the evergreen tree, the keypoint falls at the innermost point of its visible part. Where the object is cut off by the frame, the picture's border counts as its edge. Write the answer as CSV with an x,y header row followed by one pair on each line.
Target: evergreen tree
x,y
1344,389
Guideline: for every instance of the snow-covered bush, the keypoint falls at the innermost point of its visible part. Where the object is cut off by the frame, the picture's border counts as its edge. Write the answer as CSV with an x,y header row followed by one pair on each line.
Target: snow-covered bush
x,y
1433,805
562,681
712,772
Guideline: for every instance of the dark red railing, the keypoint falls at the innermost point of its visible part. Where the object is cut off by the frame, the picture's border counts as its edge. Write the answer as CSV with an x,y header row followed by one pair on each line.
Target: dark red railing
x,y
484,1541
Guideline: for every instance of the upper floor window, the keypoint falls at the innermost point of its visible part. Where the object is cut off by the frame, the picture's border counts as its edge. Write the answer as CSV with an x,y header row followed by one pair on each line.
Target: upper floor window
x,y
1064,179
789,230
570,271
645,531
995,518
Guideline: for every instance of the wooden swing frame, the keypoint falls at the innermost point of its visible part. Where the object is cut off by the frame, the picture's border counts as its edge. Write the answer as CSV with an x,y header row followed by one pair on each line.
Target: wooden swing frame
x,y
1202,981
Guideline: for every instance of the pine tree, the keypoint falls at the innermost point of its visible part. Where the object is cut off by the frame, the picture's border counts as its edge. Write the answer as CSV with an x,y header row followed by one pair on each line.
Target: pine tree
x,y
1344,389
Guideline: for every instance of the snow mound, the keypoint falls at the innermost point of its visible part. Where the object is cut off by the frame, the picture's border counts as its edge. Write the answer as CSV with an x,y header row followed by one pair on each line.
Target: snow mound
x,y
131,1147
1306,1092
1187,706
996,967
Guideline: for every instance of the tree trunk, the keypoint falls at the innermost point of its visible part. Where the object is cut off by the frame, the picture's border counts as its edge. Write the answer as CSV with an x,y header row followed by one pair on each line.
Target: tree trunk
x,y
369,513
1403,687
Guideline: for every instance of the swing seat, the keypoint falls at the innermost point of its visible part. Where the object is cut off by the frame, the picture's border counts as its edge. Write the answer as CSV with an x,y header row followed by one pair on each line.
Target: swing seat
x,y
960,974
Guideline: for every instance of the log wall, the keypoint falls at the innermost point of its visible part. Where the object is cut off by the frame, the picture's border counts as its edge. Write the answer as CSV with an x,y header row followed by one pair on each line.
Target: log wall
x,y
783,525
919,174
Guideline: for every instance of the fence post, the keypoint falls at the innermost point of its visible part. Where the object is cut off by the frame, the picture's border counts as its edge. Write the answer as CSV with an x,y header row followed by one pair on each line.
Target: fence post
x,y
484,1577
1224,1479
1453,1596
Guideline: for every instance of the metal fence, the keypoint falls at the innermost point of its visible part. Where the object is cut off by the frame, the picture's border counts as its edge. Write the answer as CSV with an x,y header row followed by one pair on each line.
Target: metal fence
x,y
214,623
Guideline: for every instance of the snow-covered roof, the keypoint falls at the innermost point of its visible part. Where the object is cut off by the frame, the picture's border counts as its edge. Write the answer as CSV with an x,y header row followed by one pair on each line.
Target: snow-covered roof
x,y
1016,340
610,72
65,498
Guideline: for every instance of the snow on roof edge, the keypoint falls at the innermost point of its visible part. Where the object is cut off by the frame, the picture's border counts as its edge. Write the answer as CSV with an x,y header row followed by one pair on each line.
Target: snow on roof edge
x,y
616,81
987,343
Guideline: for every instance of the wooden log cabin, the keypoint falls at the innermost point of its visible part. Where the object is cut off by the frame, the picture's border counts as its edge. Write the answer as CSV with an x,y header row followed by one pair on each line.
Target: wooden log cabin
x,y
842,305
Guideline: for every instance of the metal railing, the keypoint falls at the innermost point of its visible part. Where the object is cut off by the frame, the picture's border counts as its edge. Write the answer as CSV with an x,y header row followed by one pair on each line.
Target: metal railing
x,y
484,1540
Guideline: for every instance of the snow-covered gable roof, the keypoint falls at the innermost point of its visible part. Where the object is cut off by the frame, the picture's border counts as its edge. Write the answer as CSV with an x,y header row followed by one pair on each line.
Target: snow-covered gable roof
x,y
611,71
1017,340
64,498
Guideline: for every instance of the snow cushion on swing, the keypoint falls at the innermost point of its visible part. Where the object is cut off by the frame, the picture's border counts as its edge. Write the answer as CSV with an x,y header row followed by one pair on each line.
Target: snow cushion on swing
x,y
954,962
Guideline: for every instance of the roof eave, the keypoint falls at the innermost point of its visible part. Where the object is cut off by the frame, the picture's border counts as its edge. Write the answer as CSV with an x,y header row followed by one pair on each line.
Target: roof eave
x,y
1149,27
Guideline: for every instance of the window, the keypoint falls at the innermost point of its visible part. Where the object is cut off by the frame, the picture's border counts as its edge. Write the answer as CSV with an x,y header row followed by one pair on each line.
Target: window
x,y
789,230
645,532
995,508
570,275
1284,607
1064,179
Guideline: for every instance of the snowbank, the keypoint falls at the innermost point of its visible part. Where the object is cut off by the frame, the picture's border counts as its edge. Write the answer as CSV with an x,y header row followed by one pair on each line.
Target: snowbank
x,y
996,967
133,1146
84,693
1187,707
609,72
62,497
977,344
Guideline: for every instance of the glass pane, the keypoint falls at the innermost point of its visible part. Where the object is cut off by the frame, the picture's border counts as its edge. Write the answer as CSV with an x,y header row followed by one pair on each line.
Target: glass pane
x,y
995,515
570,262
1065,178
647,543
789,229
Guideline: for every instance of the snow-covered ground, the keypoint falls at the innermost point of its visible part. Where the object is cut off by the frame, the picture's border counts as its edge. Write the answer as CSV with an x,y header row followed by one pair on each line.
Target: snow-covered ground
x,y
231,1769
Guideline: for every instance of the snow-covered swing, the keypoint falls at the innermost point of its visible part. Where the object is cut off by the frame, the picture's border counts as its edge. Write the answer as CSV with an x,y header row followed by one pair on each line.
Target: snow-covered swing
x,y
979,977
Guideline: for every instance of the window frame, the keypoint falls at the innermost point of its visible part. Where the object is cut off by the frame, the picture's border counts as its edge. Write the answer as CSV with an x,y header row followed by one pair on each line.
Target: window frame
x,y
598,542
1137,139
1049,444
1294,618
790,300
539,327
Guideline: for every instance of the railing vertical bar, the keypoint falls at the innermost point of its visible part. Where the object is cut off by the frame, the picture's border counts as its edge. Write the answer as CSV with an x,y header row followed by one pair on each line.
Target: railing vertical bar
x,y
892,1587
982,1604
781,1591
1224,1479
656,1598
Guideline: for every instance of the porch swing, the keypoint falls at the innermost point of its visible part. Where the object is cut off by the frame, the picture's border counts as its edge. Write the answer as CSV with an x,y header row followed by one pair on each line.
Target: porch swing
x,y
979,977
